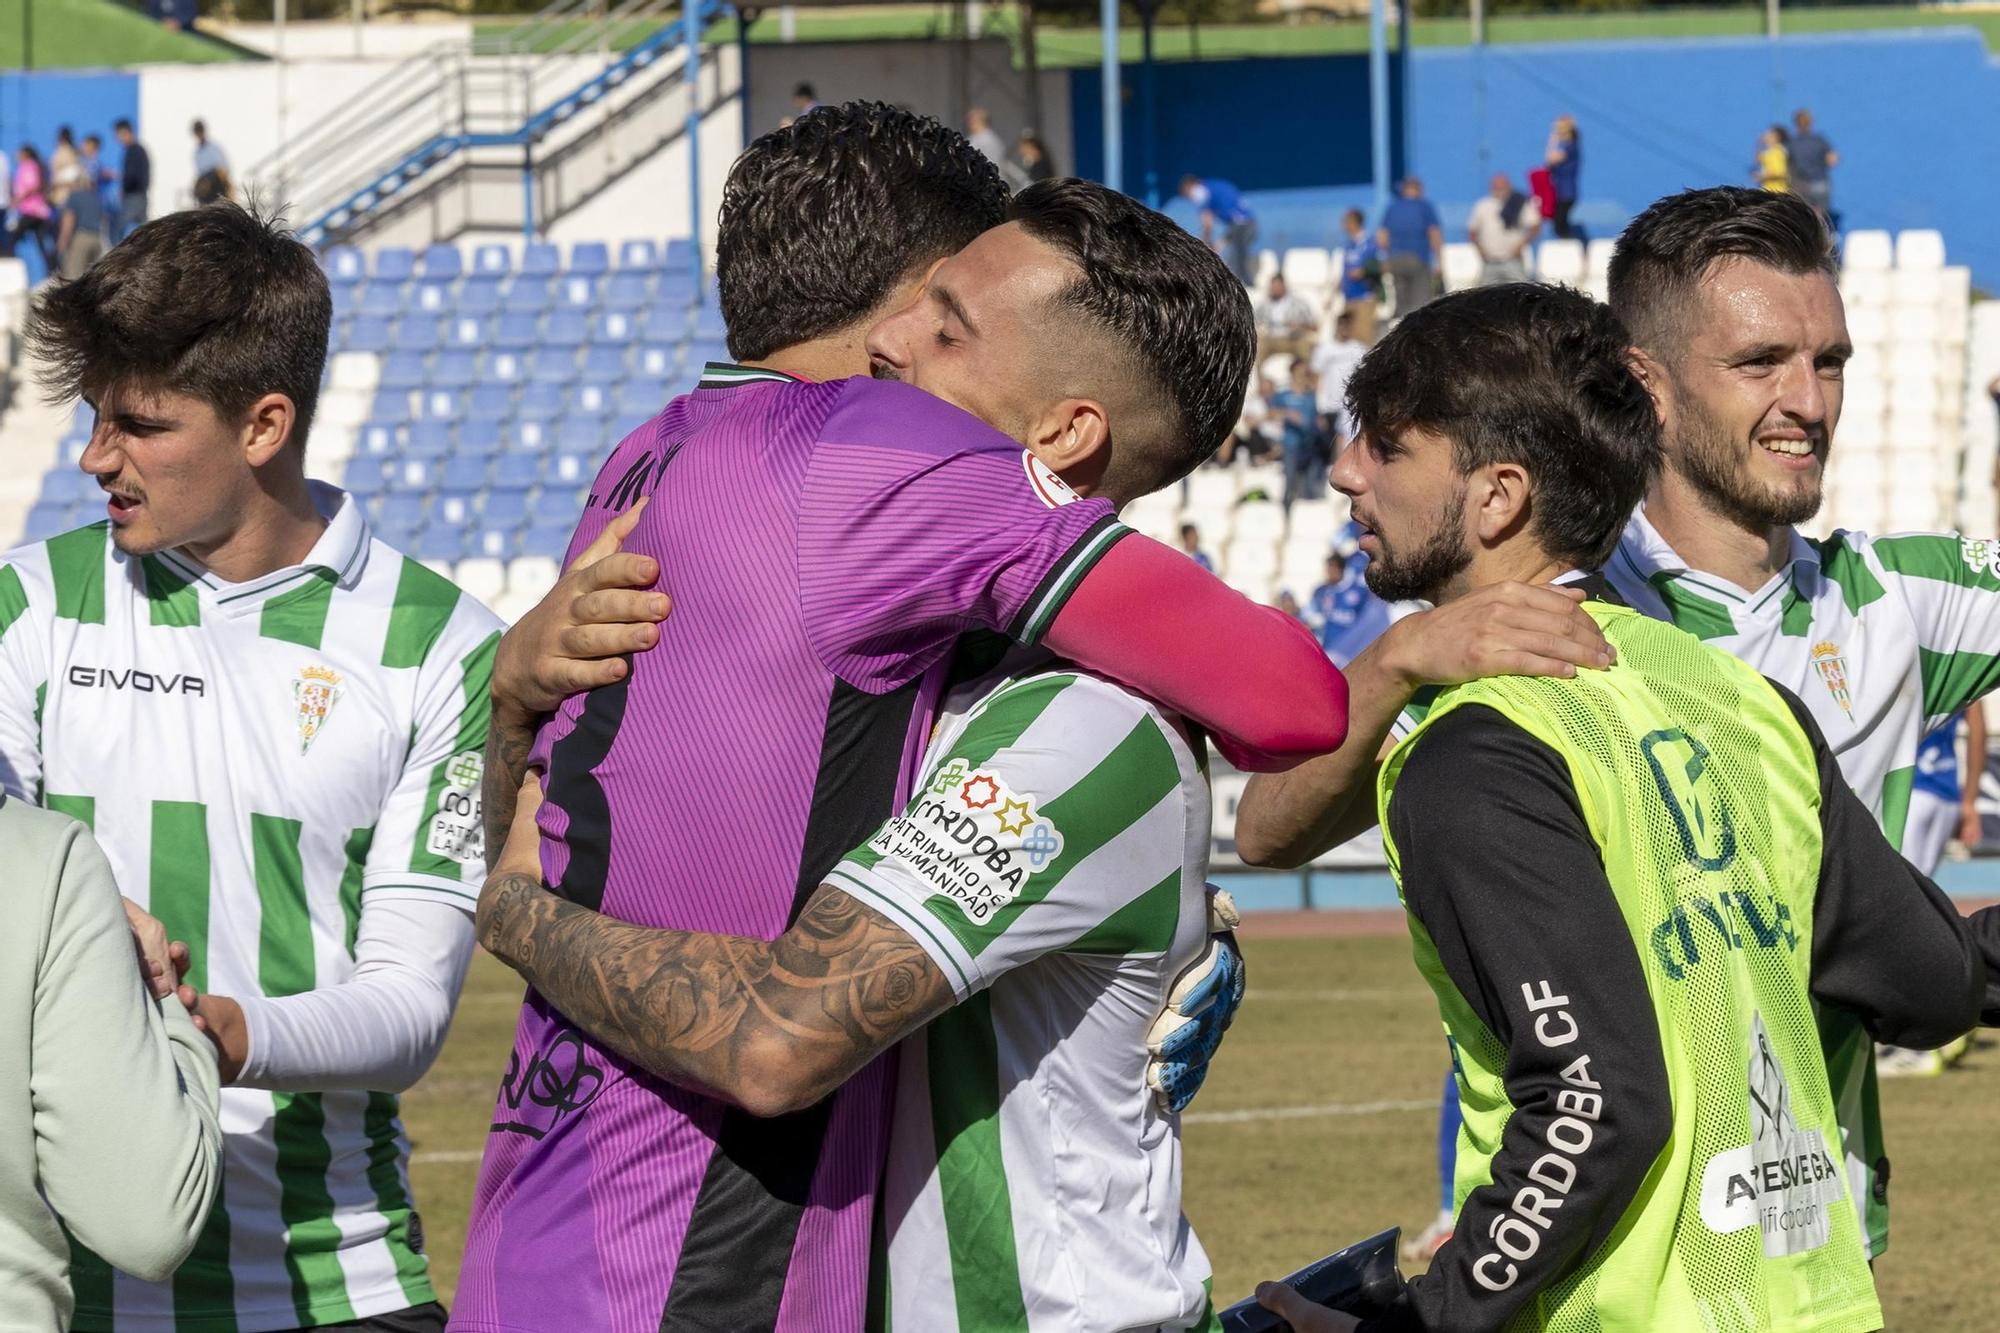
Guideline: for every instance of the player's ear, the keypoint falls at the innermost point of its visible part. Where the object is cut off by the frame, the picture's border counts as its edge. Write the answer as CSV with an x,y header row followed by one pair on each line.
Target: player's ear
x,y
1500,494
1652,377
267,428
1073,440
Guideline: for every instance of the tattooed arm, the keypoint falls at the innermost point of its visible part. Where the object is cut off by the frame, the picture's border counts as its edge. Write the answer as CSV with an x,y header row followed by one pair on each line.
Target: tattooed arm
x,y
772,1026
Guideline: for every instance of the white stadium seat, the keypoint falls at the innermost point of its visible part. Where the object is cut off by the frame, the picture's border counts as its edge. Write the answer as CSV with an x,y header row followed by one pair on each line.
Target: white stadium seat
x,y
358,371
1866,251
1461,266
1920,249
1261,520
484,579
1867,326
532,576
1211,488
1921,287
13,278
343,407
1267,264
1308,266
1865,288
1251,556
1560,261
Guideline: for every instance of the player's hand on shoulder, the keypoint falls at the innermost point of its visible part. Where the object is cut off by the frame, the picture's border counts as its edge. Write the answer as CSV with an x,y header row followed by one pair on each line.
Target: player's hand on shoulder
x,y
1300,1313
576,638
1200,1007
1506,629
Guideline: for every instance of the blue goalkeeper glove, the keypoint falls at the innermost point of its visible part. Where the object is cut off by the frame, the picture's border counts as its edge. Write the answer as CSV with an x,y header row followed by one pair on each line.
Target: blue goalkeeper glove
x,y
1200,1008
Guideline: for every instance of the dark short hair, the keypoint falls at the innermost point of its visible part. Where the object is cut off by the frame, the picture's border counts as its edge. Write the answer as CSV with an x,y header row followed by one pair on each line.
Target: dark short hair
x,y
1665,252
120,124
198,128
89,139
218,303
1529,374
1354,215
822,219
805,90
1170,300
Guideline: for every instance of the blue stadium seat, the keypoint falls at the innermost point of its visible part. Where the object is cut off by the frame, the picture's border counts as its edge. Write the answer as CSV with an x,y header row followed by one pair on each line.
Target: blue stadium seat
x,y
663,323
336,337
547,539
604,363
415,333
403,370
462,472
553,365
363,476
591,400
615,327
566,328
541,259
67,485
492,260
625,423
576,291
517,331
637,400
45,520
581,437
453,507
553,505
543,400
680,254
700,353
492,543
441,544
344,265
490,402
390,407
657,361
564,471
381,298
506,508
709,325
477,296
442,261
527,294
415,475
643,256
402,511
628,291
454,370
516,471
530,433
344,300
436,404
378,440
428,439
479,439
589,258
505,368
463,330
430,296
370,333
395,262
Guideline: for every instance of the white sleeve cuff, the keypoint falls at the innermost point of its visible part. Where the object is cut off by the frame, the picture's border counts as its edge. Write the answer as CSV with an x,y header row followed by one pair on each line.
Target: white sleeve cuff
x,y
877,890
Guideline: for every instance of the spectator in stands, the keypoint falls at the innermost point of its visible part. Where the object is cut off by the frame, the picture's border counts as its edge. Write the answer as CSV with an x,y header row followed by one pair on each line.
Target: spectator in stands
x,y
1360,275
135,181
31,205
211,168
1343,612
1503,225
1227,224
1332,363
1034,159
80,233
100,177
6,206
1259,434
1289,604
1813,161
1412,237
61,159
1297,412
1774,163
804,99
1191,543
1564,159
979,132
1286,321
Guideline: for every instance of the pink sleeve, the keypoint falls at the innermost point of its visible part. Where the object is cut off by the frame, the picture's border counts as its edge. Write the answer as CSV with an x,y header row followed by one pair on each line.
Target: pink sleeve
x,y
1150,617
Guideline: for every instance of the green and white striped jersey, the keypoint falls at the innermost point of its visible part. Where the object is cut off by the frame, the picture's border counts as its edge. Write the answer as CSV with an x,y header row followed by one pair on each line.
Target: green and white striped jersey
x,y
1052,864
1883,637
258,760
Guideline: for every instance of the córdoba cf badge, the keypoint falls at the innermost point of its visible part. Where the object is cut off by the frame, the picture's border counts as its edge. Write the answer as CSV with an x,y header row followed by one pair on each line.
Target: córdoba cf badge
x,y
317,690
1832,668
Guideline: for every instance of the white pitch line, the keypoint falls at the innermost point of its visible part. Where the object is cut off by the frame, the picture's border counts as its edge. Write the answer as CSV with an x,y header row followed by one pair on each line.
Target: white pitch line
x,y
445,1157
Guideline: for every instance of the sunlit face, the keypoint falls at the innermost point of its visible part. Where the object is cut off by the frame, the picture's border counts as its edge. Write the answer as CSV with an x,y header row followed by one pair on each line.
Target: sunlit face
x,y
974,334
174,471
1409,501
1752,399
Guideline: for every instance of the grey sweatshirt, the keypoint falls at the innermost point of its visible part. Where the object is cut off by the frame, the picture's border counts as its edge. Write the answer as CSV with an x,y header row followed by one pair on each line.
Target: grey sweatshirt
x,y
107,1096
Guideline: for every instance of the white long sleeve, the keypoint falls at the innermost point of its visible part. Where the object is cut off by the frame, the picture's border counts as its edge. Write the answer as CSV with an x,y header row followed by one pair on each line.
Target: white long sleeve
x,y
381,1028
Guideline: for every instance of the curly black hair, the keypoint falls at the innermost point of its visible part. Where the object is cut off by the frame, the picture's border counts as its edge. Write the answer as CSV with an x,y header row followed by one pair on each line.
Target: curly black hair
x,y
822,219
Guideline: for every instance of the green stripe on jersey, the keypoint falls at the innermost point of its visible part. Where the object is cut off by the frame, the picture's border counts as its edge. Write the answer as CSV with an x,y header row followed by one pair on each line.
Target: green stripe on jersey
x,y
76,566
972,1175
1005,717
385,1177
1796,622
475,678
13,598
1144,925
284,946
1896,787
1938,557
178,881
1848,569
425,600
299,616
358,843
83,809
312,1237
171,594
1953,680
1698,615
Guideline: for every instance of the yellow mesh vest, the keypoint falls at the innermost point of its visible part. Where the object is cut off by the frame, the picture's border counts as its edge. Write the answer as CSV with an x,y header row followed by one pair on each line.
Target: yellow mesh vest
x,y
1702,795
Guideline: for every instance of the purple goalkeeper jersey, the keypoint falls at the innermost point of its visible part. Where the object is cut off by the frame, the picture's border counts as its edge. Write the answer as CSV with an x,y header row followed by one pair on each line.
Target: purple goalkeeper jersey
x,y
825,545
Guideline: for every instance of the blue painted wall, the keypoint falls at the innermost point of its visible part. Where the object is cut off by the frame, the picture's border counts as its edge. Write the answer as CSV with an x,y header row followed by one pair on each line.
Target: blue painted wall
x,y
34,104
1914,115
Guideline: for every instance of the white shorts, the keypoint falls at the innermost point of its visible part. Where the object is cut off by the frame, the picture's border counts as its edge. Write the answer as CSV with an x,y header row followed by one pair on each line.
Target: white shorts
x,y
1931,823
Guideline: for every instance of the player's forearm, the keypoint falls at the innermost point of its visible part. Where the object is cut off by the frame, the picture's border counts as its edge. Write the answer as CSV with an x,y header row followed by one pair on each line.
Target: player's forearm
x,y
510,739
1286,819
771,1026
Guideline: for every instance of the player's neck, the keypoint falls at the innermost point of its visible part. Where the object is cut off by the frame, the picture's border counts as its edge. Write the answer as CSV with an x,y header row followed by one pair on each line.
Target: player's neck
x,y
838,356
1516,562
1746,555
277,529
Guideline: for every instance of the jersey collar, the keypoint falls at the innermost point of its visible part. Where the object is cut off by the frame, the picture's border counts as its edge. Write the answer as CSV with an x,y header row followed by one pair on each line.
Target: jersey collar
x,y
341,553
1643,552
728,375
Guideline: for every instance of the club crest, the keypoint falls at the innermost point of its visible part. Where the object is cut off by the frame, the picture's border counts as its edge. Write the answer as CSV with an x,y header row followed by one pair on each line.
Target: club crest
x,y
317,689
1832,668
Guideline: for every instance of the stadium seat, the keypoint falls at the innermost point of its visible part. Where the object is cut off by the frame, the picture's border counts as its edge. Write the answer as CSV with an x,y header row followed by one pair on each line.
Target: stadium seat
x,y
1867,325
1561,260
341,409
580,436
1210,488
506,508
445,544
531,432
709,326
464,472
400,510
379,440
454,370
428,439
370,333
430,296
1461,266
437,404
68,485
675,289
453,506
517,471
465,331
479,439
353,372
517,331
395,263
489,402
642,256
416,475
679,254
528,294
542,400
1308,266
1919,249
381,298
477,296
483,578
45,520
566,328
576,291
547,540
1917,287
415,333
1865,287
604,363
506,368
628,291
364,476
664,322
589,258
640,400
344,265
563,470
535,573
702,351
390,407
540,259
1866,251
656,361
492,261
589,400
404,370
613,327
442,261
553,365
